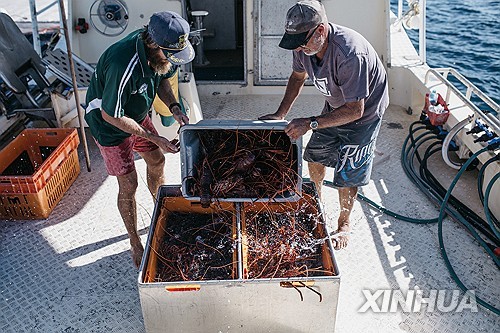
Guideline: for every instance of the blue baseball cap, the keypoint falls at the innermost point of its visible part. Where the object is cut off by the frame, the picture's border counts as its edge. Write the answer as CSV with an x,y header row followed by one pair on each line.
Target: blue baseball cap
x,y
170,31
304,16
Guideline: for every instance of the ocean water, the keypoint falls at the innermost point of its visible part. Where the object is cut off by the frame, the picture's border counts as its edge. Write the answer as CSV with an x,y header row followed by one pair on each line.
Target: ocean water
x,y
464,35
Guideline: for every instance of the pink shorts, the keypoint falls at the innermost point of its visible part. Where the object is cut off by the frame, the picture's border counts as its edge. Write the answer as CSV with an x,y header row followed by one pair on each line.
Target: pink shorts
x,y
119,160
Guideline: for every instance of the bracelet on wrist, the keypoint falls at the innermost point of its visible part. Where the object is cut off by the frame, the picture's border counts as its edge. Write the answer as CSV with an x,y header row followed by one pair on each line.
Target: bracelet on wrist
x,y
174,104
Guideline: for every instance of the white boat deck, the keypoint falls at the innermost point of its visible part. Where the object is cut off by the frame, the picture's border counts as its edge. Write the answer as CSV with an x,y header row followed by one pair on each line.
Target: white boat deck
x,y
73,273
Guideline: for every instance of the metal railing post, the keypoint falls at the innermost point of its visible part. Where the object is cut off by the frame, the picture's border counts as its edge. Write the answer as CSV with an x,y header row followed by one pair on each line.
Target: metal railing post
x,y
34,28
34,23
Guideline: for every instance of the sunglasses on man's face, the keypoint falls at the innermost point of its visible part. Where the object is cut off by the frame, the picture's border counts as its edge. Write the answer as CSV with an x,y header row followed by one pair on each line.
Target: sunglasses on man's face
x,y
308,38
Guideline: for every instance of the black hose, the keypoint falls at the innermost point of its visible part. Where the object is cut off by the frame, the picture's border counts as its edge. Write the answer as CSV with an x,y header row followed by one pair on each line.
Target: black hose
x,y
480,179
447,203
441,240
463,210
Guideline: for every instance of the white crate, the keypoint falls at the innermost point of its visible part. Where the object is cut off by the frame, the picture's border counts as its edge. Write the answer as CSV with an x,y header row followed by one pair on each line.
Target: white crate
x,y
191,154
236,305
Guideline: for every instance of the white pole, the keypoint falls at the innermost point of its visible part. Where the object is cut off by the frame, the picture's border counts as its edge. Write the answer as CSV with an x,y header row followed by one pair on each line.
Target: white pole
x,y
422,32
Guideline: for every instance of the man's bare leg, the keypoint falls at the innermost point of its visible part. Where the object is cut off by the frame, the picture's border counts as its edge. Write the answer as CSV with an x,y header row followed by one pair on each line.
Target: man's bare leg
x,y
127,186
155,163
317,173
347,195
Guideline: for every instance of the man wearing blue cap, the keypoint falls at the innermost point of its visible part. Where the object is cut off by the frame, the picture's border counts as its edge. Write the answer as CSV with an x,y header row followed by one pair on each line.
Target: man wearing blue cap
x,y
345,68
127,78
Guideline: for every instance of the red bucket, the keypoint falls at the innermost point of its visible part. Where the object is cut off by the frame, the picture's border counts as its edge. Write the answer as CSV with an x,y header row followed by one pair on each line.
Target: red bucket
x,y
436,118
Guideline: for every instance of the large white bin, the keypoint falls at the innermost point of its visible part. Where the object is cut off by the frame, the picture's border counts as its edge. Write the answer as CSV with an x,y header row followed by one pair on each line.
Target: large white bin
x,y
296,304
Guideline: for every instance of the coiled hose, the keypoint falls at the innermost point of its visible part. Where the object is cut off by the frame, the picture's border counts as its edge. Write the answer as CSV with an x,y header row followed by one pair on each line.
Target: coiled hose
x,y
475,235
424,180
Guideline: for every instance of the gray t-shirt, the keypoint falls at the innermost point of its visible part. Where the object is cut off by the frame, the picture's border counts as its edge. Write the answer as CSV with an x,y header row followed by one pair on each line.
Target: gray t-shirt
x,y
349,71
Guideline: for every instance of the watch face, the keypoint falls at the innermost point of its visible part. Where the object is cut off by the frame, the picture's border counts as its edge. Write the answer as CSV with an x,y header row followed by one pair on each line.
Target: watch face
x,y
313,124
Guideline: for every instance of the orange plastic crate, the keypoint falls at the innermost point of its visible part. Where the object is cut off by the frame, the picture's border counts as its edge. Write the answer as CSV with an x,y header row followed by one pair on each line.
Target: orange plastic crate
x,y
34,196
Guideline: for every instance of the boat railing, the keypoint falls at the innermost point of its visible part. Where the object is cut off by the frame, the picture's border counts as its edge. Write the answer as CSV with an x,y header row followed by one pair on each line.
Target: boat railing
x,y
34,23
442,75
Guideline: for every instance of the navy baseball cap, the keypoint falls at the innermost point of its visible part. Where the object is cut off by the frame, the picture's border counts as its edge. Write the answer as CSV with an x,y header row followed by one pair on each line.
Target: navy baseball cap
x,y
300,19
170,31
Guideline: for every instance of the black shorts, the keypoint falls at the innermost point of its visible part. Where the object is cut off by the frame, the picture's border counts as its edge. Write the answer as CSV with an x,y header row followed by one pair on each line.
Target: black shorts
x,y
348,150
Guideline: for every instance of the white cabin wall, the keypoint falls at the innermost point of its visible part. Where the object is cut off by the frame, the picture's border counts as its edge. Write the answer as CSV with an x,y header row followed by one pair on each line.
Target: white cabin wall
x,y
369,18
371,21
406,87
89,46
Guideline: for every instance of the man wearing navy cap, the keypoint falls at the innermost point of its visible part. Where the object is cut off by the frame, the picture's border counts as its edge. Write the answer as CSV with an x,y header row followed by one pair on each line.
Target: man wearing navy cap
x,y
127,78
345,68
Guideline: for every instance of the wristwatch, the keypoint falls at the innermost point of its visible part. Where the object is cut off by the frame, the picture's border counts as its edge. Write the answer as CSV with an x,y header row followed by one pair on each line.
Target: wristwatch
x,y
313,123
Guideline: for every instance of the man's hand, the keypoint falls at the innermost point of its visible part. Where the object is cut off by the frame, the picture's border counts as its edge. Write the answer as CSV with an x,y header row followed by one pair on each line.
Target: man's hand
x,y
180,117
297,127
167,146
271,116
